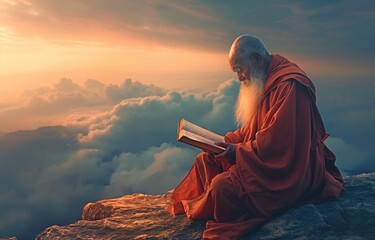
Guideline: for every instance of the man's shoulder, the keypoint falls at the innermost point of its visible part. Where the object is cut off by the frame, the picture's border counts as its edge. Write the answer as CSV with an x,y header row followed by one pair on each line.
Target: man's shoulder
x,y
287,86
287,83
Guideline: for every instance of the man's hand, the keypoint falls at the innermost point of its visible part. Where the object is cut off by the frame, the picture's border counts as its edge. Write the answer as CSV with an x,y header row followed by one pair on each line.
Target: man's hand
x,y
228,155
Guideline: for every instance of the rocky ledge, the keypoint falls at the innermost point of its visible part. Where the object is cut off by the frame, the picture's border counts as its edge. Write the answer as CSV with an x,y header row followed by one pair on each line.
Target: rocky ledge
x,y
141,216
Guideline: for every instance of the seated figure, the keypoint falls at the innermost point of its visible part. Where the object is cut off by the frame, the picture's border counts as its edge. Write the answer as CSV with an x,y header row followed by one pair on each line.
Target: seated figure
x,y
275,160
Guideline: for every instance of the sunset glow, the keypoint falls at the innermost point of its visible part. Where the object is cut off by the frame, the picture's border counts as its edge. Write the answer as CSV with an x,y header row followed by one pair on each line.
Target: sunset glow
x,y
35,62
42,42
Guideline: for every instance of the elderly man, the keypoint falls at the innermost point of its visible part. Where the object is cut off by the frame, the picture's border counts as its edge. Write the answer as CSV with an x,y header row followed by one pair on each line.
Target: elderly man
x,y
276,160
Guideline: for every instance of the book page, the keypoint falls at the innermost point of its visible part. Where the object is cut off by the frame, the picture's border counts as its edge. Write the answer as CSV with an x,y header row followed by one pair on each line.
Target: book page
x,y
199,141
190,127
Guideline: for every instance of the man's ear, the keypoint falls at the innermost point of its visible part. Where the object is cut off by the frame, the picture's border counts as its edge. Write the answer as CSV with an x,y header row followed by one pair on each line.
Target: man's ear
x,y
257,59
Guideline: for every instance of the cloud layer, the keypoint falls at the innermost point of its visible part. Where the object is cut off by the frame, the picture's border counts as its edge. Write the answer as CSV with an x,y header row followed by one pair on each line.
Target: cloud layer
x,y
129,146
53,171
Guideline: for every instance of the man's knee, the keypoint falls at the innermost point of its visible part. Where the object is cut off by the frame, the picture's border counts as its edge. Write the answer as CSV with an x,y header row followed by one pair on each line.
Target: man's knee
x,y
221,185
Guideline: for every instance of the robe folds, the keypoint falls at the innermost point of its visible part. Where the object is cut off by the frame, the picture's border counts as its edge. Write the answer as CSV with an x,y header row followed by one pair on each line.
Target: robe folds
x,y
281,161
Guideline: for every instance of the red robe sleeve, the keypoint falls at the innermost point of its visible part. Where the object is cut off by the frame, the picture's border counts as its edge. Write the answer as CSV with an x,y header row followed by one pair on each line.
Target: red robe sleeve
x,y
274,166
234,137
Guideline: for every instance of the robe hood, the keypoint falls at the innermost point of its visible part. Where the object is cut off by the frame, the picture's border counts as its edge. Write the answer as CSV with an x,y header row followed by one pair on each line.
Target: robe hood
x,y
281,69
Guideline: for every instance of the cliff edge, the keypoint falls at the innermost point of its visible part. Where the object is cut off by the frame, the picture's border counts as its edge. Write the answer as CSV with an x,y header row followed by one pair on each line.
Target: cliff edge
x,y
141,216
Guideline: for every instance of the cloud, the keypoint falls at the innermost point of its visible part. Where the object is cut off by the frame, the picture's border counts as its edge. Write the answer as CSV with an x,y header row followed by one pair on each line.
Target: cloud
x,y
52,105
153,171
349,159
130,125
347,107
25,155
129,89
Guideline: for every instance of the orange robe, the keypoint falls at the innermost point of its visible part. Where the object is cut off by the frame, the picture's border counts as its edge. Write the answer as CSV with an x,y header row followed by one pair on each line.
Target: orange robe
x,y
281,161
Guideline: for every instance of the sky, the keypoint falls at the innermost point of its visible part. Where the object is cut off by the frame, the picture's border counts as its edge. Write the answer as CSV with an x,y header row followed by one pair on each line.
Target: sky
x,y
85,82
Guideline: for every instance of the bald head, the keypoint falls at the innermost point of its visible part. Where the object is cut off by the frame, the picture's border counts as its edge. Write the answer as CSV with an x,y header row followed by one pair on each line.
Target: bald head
x,y
248,52
247,45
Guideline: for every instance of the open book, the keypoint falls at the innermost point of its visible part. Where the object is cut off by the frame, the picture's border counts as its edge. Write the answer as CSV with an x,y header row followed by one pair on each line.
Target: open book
x,y
199,137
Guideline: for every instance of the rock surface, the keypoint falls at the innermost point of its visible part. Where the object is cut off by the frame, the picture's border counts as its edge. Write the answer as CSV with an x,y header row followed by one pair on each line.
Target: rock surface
x,y
141,216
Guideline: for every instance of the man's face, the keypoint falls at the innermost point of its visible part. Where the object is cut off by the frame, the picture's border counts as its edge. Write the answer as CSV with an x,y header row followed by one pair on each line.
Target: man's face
x,y
241,66
251,91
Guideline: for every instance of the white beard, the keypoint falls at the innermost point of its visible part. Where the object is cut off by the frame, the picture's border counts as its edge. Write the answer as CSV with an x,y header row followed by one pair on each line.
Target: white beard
x,y
249,98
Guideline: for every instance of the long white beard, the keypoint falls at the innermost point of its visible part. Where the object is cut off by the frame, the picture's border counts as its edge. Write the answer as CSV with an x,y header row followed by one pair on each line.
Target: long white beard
x,y
249,99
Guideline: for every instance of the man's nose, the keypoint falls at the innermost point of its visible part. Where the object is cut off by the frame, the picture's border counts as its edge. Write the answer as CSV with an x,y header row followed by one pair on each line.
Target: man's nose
x,y
240,76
